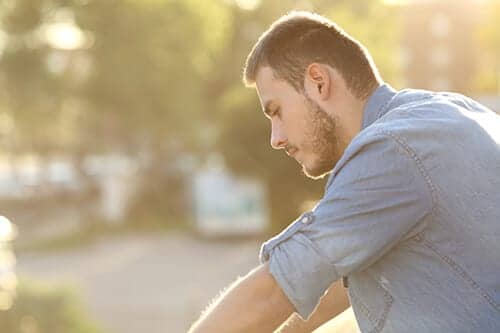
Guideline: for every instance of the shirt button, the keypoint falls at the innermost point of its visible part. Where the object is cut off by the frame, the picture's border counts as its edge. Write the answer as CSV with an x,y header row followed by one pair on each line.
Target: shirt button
x,y
307,219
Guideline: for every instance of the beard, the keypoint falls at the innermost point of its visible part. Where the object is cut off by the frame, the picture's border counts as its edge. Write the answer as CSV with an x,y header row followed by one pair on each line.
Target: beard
x,y
322,141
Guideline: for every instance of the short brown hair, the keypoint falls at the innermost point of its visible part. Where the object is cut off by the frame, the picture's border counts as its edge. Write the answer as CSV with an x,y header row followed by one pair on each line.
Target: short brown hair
x,y
300,38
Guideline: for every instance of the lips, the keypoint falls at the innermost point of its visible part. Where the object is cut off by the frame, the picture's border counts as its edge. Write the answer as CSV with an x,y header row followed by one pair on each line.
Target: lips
x,y
291,151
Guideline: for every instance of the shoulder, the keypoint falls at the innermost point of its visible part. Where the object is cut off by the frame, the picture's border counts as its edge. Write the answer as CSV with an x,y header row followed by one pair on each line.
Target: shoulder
x,y
380,152
376,141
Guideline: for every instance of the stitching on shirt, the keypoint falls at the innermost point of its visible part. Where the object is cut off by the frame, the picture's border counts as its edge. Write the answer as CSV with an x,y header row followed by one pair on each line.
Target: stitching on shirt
x,y
383,107
419,163
381,323
378,324
460,271
363,308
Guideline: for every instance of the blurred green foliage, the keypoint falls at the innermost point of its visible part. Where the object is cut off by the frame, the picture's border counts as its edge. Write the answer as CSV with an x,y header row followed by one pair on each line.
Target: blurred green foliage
x,y
43,309
488,78
158,79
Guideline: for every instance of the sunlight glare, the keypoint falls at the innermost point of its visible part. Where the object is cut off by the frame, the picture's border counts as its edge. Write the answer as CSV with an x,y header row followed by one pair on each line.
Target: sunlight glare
x,y
64,36
396,2
248,4
6,229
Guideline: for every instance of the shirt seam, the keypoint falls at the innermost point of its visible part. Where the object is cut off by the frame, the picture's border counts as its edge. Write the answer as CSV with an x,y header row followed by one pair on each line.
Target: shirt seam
x,y
459,271
377,323
420,166
383,108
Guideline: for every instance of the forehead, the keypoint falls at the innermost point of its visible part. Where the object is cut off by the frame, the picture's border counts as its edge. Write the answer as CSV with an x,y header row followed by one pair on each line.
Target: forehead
x,y
271,89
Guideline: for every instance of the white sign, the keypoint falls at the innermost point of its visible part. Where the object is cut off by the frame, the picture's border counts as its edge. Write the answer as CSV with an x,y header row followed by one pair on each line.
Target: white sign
x,y
225,205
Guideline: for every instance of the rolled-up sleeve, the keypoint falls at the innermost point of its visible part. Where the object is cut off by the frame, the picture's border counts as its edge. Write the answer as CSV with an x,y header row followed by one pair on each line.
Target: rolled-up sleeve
x,y
379,197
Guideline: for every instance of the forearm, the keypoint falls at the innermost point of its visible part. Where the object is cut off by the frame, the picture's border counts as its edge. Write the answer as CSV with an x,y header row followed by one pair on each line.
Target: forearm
x,y
255,303
333,303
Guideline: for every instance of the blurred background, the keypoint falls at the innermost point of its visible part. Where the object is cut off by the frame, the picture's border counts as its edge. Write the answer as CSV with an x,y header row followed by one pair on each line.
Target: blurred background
x,y
135,166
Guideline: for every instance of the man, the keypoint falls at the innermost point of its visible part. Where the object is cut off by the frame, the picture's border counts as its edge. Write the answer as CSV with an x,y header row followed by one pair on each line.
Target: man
x,y
410,218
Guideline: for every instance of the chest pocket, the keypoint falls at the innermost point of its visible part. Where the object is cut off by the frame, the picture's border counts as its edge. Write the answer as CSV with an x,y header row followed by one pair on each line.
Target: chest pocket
x,y
370,302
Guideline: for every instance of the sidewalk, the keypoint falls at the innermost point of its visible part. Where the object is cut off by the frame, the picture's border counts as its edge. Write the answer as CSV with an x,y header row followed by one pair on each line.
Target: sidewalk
x,y
155,283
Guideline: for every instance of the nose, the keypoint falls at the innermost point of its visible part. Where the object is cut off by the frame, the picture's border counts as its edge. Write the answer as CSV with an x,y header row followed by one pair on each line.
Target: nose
x,y
278,138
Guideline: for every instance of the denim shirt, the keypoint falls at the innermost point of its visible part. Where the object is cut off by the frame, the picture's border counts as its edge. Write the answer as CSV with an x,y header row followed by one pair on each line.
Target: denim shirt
x,y
410,218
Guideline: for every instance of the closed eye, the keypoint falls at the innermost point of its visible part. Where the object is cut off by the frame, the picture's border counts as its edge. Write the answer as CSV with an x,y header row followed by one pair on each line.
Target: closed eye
x,y
275,112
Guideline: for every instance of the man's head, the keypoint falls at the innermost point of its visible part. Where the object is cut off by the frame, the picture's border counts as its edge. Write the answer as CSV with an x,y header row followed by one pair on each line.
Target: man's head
x,y
313,81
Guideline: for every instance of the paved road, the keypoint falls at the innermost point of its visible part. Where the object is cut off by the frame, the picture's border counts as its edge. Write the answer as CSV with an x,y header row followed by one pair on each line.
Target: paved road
x,y
144,283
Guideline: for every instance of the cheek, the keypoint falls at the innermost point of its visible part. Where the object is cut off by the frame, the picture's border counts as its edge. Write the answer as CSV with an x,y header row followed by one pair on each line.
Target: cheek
x,y
308,133
299,135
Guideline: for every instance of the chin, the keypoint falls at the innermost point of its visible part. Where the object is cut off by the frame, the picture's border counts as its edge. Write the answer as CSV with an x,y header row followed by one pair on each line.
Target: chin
x,y
316,173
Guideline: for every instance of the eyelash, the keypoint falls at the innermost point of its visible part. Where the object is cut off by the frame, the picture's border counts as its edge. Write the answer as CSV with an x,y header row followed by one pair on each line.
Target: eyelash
x,y
276,112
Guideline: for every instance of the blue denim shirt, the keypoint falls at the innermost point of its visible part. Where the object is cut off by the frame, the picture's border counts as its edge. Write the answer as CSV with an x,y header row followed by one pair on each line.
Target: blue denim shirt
x,y
410,216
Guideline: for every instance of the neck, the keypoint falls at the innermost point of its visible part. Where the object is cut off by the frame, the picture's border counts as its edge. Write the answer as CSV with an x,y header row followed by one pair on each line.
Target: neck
x,y
355,119
350,119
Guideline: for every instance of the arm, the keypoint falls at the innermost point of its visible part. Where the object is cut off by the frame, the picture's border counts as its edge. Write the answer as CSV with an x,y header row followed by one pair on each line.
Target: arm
x,y
344,322
254,303
333,303
379,199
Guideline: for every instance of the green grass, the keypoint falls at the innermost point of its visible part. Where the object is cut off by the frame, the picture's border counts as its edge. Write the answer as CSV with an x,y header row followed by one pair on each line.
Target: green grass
x,y
45,309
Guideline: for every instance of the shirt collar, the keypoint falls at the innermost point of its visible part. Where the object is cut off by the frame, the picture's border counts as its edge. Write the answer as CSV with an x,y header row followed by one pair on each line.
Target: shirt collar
x,y
377,104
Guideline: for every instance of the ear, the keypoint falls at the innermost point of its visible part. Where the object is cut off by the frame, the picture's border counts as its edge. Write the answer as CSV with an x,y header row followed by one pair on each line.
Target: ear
x,y
318,81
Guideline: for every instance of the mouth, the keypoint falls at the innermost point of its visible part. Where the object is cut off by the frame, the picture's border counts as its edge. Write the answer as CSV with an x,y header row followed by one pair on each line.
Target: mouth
x,y
291,151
